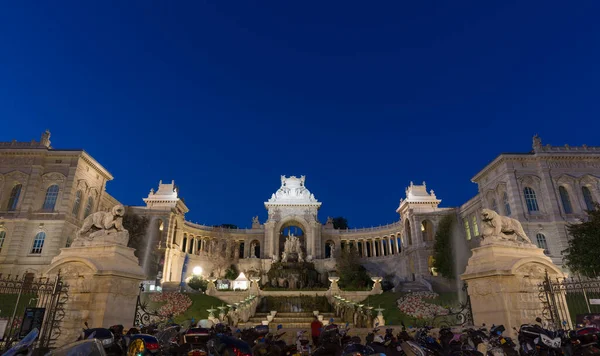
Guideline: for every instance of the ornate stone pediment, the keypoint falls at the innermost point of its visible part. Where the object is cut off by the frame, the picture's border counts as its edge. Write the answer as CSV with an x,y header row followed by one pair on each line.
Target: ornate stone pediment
x,y
53,177
293,191
17,175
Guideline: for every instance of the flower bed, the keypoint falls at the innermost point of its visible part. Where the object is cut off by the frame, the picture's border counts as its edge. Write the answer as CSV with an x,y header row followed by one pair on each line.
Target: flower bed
x,y
413,304
174,303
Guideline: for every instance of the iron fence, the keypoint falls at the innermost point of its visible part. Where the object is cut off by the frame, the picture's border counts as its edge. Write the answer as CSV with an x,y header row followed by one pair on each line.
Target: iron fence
x,y
573,300
27,303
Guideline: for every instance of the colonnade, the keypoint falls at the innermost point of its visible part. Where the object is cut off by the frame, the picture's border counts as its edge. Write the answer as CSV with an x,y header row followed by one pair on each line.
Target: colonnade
x,y
375,247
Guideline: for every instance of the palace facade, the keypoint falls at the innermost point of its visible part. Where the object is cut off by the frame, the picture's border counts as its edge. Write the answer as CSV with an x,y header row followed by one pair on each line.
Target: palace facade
x,y
45,194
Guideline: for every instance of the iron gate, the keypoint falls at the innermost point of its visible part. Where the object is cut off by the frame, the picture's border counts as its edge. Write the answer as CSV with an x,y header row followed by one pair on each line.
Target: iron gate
x,y
27,303
569,299
462,315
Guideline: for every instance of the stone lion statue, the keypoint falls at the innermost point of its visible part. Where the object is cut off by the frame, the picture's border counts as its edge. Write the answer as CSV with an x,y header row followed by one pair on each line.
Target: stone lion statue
x,y
502,227
104,220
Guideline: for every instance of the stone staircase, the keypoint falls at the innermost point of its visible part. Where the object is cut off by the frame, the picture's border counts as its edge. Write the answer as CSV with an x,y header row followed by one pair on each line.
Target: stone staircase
x,y
288,320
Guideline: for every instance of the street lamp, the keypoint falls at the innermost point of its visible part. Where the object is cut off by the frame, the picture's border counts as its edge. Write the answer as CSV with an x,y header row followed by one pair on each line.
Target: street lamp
x,y
197,271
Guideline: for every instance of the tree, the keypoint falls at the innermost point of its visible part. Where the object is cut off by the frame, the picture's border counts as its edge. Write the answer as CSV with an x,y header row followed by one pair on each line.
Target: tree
x,y
340,223
352,274
584,247
139,239
198,283
231,272
443,259
221,257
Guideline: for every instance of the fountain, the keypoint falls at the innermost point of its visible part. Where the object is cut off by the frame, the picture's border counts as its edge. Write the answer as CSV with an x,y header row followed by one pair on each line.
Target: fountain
x,y
151,240
211,312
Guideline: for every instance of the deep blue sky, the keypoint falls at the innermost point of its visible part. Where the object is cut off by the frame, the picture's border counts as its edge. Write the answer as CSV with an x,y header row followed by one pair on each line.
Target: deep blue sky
x,y
361,97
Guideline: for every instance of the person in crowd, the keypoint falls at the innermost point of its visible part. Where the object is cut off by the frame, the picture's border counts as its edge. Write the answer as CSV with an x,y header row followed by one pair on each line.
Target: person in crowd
x,y
315,328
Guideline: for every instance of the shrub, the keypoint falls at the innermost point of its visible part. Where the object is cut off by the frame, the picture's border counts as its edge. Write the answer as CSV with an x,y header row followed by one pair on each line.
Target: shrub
x,y
197,283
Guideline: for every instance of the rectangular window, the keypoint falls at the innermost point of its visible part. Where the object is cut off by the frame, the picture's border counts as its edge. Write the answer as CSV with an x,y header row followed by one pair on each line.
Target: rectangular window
x,y
475,227
467,228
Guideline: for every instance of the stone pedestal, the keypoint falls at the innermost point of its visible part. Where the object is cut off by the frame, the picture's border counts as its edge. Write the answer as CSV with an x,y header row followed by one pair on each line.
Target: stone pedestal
x,y
103,285
503,283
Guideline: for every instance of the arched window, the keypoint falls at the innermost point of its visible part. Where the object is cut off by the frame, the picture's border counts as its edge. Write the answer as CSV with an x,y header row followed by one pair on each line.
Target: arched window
x,y
191,247
507,210
377,249
467,228
13,201
359,245
88,207
184,243
369,252
392,246
530,200
408,233
51,196
384,247
241,250
77,203
564,198
541,242
494,205
399,242
427,230
38,242
2,237
587,197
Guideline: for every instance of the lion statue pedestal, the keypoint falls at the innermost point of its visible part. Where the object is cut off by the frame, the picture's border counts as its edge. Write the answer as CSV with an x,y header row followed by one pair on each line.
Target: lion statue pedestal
x,y
504,273
102,273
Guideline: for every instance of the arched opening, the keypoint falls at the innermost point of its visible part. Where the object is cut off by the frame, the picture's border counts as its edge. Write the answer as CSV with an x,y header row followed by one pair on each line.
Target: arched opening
x,y
51,197
292,231
384,247
88,207
174,241
13,200
587,198
565,200
427,230
530,199
392,246
542,243
329,249
399,242
191,246
408,233
184,244
241,249
432,269
369,252
359,244
506,203
377,249
77,203
255,249
38,243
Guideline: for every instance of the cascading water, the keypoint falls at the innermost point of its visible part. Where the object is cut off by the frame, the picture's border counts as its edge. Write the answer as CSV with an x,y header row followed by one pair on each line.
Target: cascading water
x,y
151,240
461,252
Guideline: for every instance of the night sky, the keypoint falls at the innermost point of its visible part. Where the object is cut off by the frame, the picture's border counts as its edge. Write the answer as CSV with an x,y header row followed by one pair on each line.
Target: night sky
x,y
361,97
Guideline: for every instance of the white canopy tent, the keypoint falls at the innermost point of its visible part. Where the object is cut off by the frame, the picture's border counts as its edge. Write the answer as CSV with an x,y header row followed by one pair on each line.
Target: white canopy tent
x,y
241,283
